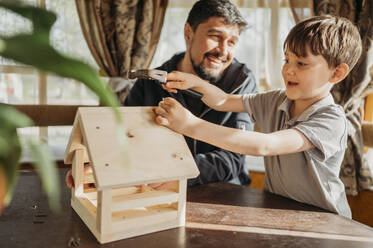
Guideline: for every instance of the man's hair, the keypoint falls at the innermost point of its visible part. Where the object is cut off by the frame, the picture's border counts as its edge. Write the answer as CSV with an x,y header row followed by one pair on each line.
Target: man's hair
x,y
335,38
202,10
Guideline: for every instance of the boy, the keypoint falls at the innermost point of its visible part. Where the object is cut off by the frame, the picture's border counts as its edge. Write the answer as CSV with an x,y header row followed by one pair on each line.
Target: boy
x,y
304,131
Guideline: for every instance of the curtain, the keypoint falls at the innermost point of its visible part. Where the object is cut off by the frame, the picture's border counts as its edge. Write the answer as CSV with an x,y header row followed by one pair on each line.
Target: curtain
x,y
121,34
276,26
355,171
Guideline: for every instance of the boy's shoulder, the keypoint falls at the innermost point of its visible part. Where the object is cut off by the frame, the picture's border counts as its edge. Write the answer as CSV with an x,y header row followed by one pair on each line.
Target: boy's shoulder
x,y
326,107
275,95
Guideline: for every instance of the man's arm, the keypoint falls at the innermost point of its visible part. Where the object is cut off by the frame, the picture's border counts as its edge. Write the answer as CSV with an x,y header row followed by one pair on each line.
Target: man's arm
x,y
220,165
172,115
136,95
213,97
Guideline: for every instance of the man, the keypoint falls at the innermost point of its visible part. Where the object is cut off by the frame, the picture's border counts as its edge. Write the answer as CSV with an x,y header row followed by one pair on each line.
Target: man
x,y
211,33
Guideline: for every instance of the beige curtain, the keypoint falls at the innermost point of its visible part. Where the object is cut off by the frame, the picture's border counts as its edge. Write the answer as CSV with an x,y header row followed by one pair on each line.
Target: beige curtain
x,y
121,34
355,172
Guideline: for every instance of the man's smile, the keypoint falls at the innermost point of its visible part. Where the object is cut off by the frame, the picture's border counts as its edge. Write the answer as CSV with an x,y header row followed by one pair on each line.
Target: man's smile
x,y
215,60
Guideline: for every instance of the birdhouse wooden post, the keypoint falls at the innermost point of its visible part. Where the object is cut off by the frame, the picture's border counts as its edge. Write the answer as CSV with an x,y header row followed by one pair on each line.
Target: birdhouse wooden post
x,y
122,205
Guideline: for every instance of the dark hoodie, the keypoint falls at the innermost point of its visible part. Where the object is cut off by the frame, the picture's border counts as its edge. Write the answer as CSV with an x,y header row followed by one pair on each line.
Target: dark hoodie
x,y
214,164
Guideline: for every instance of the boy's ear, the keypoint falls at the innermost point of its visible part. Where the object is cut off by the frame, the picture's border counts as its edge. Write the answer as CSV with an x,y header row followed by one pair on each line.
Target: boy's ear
x,y
340,72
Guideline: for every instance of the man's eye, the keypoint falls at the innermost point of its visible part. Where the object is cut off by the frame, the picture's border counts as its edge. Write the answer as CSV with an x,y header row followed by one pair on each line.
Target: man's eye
x,y
215,37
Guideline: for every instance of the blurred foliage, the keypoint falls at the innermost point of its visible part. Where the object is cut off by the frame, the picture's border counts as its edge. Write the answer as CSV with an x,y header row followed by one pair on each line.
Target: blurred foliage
x,y
35,49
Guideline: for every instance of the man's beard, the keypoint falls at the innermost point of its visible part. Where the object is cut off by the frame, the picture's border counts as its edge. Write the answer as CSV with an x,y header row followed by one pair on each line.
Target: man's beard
x,y
204,72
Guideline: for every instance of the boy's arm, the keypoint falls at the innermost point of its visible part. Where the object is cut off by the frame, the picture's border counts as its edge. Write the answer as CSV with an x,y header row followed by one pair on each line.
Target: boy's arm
x,y
212,96
172,115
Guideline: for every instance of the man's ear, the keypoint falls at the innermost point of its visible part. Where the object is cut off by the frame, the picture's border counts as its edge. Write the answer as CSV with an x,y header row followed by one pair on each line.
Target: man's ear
x,y
188,33
340,72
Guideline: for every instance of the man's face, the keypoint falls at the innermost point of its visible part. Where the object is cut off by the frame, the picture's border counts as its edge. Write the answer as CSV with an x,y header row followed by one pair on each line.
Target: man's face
x,y
211,47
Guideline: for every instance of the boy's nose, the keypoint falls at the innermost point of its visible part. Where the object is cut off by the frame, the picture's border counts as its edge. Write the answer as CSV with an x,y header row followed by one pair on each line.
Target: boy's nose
x,y
289,70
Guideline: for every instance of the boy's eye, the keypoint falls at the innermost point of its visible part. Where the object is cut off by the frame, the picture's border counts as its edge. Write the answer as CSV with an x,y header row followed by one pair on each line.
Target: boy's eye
x,y
301,63
286,61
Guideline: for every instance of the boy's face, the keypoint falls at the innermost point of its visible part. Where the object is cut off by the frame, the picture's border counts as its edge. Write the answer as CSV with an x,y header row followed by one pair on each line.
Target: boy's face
x,y
211,47
306,78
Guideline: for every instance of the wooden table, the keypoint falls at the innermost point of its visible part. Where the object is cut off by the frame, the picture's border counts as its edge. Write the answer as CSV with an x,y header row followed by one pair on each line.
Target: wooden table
x,y
218,215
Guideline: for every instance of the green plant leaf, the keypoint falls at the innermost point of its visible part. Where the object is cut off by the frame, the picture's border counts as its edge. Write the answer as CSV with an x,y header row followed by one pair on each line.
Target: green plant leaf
x,y
47,171
11,118
34,49
10,148
42,19
9,157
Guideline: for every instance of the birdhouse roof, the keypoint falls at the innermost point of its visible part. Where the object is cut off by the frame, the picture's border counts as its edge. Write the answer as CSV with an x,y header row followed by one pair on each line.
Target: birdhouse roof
x,y
136,151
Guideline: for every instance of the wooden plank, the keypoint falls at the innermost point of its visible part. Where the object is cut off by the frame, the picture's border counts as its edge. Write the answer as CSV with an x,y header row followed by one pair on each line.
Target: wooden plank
x,y
157,154
146,199
115,192
104,222
139,229
88,178
302,221
87,212
181,204
133,218
49,115
75,142
280,232
78,173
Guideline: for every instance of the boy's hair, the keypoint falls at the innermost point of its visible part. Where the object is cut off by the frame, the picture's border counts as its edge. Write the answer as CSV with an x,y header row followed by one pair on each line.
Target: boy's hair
x,y
335,38
202,10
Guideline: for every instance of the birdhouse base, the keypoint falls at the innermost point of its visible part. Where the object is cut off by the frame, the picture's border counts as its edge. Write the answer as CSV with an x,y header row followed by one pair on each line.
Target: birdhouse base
x,y
133,212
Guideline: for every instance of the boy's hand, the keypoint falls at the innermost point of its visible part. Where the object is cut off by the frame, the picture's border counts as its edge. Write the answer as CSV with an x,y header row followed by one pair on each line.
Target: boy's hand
x,y
171,114
182,81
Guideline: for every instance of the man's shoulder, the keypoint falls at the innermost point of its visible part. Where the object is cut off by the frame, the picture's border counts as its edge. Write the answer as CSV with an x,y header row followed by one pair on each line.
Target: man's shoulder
x,y
239,79
171,64
237,66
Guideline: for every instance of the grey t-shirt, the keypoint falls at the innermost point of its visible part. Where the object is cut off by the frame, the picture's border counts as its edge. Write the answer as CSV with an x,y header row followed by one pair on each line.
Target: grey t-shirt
x,y
311,176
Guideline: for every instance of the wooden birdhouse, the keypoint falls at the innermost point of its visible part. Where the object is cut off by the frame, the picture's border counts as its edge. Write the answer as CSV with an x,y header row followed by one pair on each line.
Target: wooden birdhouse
x,y
123,205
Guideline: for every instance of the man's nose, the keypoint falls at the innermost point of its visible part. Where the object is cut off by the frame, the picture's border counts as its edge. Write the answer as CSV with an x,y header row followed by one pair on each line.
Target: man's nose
x,y
223,48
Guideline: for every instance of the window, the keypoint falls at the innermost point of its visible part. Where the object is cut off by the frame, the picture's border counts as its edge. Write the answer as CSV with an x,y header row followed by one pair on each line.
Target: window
x,y
24,85
20,84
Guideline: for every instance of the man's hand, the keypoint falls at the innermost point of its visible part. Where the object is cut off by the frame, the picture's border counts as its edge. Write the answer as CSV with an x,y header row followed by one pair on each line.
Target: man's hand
x,y
70,180
171,114
171,185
